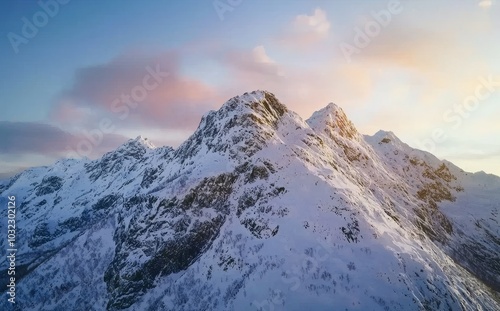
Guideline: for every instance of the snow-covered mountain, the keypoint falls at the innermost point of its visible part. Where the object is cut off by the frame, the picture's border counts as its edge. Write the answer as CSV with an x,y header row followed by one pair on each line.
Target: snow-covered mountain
x,y
257,210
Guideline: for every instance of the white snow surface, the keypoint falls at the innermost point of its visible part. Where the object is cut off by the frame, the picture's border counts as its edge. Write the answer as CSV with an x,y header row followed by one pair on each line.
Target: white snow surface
x,y
314,216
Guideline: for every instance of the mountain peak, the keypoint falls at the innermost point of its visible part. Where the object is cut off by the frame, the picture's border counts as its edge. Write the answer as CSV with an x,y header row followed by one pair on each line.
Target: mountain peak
x,y
332,119
139,145
386,137
333,108
381,134
263,104
213,215
257,109
243,124
140,141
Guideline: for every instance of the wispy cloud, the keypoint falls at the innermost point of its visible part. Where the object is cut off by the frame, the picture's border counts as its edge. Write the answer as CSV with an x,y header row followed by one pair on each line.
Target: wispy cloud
x,y
316,23
178,102
24,138
306,30
485,3
303,89
260,55
251,64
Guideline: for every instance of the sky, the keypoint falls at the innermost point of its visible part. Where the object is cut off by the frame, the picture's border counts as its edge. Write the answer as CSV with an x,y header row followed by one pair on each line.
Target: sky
x,y
78,78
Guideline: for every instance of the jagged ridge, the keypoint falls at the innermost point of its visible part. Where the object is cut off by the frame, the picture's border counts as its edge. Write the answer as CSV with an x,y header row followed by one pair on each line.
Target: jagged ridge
x,y
225,219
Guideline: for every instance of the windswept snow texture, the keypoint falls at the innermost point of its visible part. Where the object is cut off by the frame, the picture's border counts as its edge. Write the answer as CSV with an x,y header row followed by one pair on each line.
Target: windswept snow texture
x,y
257,210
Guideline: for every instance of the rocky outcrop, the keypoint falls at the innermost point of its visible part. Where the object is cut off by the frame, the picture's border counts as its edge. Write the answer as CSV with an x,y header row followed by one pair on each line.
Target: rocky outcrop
x,y
257,209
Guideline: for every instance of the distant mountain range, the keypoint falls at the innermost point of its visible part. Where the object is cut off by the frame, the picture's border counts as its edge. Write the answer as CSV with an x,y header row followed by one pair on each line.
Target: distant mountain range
x,y
257,210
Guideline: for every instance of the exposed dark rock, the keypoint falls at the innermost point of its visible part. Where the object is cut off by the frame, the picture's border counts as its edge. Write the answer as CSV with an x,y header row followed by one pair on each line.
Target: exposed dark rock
x,y
49,185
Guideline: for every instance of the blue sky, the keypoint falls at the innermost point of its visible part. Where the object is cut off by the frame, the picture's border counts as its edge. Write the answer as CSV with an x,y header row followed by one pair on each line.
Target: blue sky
x,y
416,72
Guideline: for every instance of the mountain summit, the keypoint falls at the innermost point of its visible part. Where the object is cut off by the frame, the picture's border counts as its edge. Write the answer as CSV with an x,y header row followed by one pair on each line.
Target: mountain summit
x,y
257,210
332,119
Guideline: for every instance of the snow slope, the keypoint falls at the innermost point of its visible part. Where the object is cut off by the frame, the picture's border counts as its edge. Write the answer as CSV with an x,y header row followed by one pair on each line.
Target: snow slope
x,y
258,210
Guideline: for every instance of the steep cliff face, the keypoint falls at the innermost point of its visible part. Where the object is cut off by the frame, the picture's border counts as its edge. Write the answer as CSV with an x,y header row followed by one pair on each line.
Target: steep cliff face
x,y
258,210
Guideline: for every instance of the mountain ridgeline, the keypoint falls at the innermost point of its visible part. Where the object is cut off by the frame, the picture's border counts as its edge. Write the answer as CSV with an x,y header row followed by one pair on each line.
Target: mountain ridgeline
x,y
257,210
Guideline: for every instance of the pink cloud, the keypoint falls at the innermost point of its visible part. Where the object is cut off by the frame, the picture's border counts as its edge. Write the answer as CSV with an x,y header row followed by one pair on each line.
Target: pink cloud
x,y
141,90
252,64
